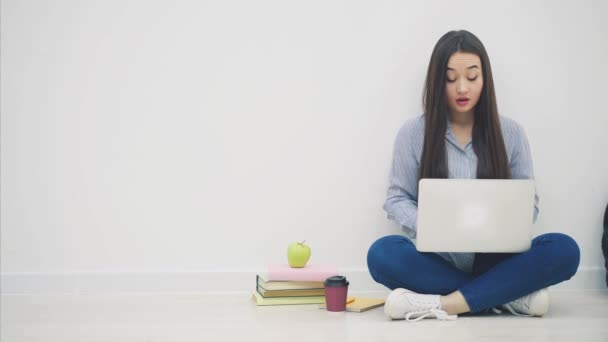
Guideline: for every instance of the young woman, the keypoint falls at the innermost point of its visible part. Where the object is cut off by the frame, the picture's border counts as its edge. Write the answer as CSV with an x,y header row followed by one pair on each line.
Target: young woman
x,y
461,135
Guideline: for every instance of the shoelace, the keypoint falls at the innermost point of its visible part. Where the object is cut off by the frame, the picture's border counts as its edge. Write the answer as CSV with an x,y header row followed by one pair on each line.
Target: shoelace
x,y
426,306
439,314
509,306
511,310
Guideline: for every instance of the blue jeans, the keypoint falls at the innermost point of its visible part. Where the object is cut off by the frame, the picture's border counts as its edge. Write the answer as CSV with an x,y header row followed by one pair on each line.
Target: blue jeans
x,y
496,279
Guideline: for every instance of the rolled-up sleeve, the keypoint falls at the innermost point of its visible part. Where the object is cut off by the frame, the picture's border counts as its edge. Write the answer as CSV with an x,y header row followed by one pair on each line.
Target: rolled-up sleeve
x,y
401,203
521,162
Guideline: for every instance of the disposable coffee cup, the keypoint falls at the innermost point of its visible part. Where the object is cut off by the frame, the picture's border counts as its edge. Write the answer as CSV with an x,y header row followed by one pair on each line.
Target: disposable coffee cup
x,y
336,291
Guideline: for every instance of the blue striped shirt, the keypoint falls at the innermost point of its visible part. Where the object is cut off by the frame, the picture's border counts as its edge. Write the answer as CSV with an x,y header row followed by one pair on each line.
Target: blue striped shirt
x,y
401,203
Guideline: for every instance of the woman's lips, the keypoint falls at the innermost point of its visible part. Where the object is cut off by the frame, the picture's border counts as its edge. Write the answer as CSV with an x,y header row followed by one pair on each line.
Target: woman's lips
x,y
462,102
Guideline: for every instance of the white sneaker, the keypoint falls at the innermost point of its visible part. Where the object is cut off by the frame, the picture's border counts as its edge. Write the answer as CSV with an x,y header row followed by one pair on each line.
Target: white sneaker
x,y
411,306
534,304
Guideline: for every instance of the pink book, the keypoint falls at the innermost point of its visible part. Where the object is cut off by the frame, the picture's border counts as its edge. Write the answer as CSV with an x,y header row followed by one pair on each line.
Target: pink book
x,y
306,273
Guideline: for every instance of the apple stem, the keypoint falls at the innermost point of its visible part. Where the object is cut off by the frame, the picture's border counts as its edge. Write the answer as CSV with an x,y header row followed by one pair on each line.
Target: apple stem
x,y
301,243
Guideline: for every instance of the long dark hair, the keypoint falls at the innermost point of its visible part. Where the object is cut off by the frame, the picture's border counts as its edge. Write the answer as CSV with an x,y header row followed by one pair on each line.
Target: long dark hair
x,y
488,142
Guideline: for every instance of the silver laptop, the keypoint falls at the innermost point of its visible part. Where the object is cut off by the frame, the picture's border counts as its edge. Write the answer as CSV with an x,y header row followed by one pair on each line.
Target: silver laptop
x,y
475,215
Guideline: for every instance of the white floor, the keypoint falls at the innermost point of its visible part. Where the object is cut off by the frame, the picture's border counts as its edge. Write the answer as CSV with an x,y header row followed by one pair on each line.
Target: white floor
x,y
573,316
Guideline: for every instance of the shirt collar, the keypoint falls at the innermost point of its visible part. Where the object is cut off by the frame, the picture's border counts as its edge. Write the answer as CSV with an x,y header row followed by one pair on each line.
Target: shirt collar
x,y
449,135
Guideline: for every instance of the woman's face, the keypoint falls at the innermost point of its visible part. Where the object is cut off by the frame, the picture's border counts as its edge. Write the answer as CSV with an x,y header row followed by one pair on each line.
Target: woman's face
x,y
464,82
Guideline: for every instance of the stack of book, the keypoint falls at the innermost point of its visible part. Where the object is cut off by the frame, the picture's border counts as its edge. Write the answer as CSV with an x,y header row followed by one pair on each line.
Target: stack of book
x,y
284,285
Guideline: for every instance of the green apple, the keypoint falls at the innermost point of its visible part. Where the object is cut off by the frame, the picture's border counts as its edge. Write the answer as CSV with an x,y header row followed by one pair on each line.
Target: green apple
x,y
298,254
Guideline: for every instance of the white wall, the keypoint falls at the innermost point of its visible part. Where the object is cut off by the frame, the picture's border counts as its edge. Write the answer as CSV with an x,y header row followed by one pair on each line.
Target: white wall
x,y
194,140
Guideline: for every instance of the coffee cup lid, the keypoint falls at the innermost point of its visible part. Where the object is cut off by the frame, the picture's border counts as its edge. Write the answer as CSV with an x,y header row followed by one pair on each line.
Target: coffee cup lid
x,y
336,281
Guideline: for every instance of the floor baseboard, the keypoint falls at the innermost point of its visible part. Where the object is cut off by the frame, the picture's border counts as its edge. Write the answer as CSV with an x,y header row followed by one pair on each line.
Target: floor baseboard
x,y
587,278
